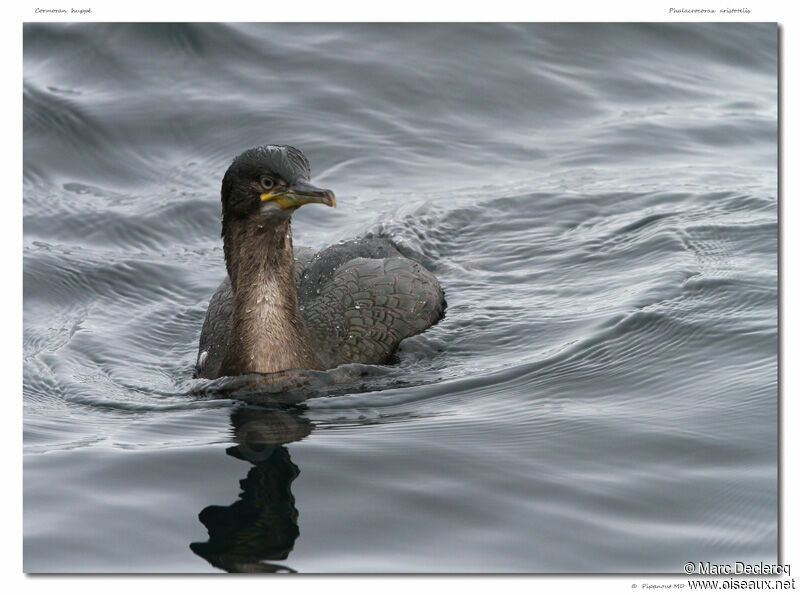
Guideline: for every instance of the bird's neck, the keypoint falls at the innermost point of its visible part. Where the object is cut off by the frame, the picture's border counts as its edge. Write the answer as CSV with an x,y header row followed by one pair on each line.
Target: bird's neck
x,y
268,333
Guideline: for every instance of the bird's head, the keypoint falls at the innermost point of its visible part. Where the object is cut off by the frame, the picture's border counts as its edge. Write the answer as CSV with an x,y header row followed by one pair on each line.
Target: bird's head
x,y
267,184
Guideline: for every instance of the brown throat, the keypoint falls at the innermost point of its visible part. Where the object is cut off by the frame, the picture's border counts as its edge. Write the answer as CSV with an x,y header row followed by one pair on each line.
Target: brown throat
x,y
268,333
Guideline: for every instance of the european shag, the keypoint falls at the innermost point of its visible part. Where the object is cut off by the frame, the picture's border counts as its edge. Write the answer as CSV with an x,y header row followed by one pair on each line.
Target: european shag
x,y
284,309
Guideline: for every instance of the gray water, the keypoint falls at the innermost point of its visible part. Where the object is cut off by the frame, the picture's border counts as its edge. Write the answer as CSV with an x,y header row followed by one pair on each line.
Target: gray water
x,y
599,203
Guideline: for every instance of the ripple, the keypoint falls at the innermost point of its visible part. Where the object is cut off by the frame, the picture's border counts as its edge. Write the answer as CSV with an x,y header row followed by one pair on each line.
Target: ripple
x,y
599,202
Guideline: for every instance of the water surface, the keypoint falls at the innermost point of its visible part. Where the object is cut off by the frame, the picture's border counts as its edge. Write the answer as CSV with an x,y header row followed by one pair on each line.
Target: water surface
x,y
599,202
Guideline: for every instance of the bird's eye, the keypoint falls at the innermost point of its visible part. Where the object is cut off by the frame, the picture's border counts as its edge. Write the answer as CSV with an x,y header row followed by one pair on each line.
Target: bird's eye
x,y
267,183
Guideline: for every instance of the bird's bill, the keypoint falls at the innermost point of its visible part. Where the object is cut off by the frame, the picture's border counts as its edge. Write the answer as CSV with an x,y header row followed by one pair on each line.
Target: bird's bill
x,y
299,194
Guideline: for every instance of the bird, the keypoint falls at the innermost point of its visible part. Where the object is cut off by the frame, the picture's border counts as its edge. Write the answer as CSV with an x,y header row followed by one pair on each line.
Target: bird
x,y
282,308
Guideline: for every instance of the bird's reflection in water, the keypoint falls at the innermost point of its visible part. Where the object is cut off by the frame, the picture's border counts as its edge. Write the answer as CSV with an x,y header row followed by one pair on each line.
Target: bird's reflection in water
x,y
261,527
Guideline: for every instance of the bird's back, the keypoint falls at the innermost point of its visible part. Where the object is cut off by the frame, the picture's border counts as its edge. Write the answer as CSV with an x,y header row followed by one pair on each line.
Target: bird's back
x,y
359,299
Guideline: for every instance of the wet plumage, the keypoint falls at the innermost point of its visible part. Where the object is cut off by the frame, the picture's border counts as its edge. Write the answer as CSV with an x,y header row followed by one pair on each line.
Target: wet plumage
x,y
353,302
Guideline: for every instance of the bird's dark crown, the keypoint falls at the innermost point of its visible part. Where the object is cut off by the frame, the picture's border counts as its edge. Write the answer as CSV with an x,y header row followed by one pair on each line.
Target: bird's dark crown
x,y
283,161
285,164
